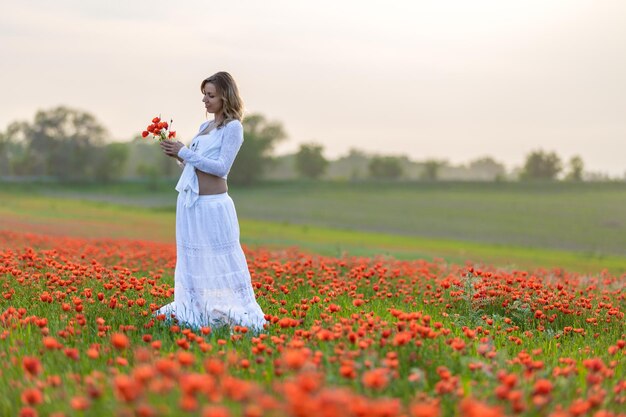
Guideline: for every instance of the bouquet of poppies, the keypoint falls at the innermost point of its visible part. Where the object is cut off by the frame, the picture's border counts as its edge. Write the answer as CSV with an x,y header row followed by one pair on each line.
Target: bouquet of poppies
x,y
160,130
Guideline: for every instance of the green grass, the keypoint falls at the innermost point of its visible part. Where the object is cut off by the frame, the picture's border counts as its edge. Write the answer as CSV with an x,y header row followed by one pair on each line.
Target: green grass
x,y
578,217
586,218
362,219
73,212
291,287
336,242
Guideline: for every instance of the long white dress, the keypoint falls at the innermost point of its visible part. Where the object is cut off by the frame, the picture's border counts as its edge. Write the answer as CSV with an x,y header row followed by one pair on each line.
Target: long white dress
x,y
212,284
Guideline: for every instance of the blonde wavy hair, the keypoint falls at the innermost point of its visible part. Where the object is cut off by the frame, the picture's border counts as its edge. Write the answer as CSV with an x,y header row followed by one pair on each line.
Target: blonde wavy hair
x,y
226,87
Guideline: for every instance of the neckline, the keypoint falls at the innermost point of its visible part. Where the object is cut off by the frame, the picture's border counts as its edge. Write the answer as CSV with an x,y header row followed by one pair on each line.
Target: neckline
x,y
208,133
204,126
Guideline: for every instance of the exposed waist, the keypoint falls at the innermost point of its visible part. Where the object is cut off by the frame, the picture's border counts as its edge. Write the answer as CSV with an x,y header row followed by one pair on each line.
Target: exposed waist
x,y
209,185
208,197
204,176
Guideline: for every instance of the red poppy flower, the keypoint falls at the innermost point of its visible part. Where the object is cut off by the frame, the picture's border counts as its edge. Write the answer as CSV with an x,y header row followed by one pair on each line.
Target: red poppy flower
x,y
32,365
120,341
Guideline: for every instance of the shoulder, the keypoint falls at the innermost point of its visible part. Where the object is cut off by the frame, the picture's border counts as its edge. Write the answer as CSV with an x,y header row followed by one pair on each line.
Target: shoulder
x,y
233,127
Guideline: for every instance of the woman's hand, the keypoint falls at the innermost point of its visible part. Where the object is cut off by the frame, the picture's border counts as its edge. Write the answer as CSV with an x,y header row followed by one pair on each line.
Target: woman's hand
x,y
171,148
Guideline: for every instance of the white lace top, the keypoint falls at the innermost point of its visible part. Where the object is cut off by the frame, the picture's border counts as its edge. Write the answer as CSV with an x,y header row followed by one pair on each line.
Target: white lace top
x,y
213,153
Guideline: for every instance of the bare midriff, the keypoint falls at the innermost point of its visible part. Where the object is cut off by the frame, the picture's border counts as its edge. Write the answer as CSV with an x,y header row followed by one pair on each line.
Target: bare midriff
x,y
210,184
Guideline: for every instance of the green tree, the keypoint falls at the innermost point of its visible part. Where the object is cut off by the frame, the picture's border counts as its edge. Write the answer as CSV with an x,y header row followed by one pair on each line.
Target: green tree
x,y
541,165
487,168
353,166
149,173
310,161
431,169
255,155
385,167
16,150
61,142
577,166
5,168
112,160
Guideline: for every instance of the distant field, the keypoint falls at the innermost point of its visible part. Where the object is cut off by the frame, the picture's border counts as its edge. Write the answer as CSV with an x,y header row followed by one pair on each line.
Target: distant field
x,y
581,226
585,218
588,218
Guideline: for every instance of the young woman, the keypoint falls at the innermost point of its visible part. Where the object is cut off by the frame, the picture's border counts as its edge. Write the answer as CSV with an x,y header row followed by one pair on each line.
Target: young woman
x,y
211,280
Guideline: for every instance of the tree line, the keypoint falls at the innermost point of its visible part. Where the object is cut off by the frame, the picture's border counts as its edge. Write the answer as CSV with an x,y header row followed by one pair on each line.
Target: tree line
x,y
67,144
71,145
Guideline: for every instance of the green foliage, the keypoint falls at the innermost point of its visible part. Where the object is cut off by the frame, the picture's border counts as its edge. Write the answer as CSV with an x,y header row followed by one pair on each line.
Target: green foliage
x,y
70,145
385,167
310,162
470,309
4,157
577,166
147,161
15,149
150,173
61,142
111,162
541,165
260,137
353,166
431,169
487,168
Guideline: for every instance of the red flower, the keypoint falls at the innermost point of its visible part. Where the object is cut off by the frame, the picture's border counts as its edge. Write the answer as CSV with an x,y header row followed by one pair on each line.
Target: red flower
x,y
159,130
32,396
79,403
215,411
126,388
473,408
425,409
376,378
120,341
28,412
186,358
50,342
214,367
295,358
31,365
542,387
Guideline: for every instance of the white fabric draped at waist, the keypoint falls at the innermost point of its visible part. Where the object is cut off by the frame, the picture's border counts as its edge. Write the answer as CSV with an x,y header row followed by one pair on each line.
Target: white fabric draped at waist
x,y
188,186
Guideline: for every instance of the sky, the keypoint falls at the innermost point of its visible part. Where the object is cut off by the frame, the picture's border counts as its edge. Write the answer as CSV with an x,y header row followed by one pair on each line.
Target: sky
x,y
451,80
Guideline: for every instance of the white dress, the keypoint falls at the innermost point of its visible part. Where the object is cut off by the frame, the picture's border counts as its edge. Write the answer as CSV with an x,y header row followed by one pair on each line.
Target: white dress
x,y
212,284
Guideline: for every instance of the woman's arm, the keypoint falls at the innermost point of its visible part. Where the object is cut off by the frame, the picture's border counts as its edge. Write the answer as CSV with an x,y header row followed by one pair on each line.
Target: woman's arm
x,y
231,143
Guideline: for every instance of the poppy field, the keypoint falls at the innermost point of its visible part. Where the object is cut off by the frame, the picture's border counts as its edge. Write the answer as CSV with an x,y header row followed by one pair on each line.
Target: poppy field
x,y
350,336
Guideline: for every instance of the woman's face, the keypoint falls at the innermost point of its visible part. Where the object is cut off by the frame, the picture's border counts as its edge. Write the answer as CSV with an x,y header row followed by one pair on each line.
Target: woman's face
x,y
212,101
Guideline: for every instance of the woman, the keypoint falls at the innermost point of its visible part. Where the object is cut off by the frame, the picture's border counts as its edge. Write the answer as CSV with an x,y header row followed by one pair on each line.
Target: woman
x,y
211,280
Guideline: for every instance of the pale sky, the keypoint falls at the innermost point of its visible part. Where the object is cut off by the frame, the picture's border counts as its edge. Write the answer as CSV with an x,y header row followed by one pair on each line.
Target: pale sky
x,y
455,79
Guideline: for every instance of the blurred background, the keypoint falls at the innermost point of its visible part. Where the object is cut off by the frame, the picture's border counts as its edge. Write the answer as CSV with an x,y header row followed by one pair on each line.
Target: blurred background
x,y
484,128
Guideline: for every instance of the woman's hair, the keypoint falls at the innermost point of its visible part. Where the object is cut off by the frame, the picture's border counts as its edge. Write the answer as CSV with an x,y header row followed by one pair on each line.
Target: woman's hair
x,y
225,85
